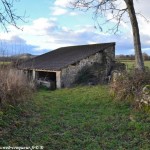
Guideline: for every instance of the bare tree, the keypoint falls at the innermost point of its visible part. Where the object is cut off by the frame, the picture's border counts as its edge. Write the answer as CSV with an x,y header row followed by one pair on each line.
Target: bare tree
x,y
8,14
102,7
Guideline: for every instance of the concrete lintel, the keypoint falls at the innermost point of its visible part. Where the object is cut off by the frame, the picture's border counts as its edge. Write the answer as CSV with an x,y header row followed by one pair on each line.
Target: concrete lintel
x,y
46,70
41,70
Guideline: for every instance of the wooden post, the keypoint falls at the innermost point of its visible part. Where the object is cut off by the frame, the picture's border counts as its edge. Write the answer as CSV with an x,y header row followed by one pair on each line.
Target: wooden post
x,y
33,75
58,79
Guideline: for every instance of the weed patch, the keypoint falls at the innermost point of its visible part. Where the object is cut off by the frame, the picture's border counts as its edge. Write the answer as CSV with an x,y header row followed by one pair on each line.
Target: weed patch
x,y
130,85
14,87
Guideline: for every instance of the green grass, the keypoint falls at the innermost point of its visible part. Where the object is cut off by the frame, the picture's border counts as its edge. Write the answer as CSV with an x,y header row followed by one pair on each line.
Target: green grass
x,y
4,63
131,63
73,119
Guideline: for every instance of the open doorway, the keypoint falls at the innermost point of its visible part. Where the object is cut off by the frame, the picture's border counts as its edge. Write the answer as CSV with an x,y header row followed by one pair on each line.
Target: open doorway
x,y
30,74
47,79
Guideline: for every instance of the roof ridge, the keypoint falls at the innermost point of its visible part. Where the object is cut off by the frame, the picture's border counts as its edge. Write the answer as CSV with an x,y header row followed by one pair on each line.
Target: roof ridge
x,y
65,56
86,45
74,46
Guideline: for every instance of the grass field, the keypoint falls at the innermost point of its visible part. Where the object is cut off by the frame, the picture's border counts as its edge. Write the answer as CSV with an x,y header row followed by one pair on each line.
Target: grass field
x,y
83,118
131,63
4,63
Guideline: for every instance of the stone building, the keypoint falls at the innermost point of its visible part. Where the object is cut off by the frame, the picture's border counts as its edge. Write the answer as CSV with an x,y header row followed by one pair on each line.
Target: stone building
x,y
61,66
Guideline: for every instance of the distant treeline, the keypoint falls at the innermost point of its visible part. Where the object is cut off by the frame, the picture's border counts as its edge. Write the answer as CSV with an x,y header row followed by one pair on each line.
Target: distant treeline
x,y
132,57
7,59
15,60
16,57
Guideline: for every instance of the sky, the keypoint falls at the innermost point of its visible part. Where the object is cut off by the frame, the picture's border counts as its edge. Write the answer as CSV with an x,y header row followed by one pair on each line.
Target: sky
x,y
50,24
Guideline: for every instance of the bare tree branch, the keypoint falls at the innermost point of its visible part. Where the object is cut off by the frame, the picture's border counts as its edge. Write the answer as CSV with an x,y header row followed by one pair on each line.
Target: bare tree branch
x,y
147,20
8,15
101,9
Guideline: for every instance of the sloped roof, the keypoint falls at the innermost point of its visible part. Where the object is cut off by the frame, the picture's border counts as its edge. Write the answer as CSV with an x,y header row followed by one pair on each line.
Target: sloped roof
x,y
62,57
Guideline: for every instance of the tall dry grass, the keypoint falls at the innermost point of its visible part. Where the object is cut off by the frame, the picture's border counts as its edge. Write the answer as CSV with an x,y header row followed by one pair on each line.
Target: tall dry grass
x,y
14,87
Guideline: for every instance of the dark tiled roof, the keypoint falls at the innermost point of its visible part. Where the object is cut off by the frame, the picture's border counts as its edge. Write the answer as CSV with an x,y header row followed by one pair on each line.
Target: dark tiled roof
x,y
62,57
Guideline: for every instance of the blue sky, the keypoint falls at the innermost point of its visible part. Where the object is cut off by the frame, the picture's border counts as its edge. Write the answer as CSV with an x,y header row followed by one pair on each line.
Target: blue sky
x,y
50,24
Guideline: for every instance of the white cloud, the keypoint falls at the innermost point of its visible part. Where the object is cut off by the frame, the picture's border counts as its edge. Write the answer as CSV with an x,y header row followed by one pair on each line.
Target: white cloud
x,y
73,14
143,7
62,3
44,33
59,11
47,34
61,7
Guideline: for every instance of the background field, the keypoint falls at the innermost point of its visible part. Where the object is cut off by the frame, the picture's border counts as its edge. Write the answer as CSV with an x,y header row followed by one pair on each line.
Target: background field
x,y
4,63
131,63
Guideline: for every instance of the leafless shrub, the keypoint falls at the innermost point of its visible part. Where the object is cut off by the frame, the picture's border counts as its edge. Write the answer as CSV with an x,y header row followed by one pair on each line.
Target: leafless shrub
x,y
129,85
14,87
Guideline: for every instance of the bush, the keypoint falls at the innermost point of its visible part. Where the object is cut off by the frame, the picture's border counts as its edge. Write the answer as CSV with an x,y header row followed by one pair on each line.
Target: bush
x,y
84,76
129,85
14,87
94,74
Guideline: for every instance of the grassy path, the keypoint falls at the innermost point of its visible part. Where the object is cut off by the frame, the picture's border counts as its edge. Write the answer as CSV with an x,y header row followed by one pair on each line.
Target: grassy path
x,y
74,119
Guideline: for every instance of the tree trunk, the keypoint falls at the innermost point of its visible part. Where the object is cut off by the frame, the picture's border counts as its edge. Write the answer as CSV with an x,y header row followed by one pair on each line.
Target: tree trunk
x,y
139,63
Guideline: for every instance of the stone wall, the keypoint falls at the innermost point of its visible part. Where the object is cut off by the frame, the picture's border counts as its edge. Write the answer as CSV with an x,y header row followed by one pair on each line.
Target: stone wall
x,y
105,57
109,59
